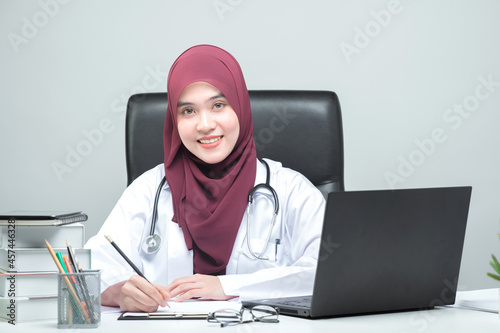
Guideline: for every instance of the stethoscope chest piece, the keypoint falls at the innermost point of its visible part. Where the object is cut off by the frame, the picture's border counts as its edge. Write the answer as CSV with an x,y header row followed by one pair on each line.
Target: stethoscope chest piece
x,y
152,243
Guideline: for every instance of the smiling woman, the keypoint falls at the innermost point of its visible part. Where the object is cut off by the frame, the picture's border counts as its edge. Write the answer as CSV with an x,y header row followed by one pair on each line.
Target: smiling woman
x,y
211,169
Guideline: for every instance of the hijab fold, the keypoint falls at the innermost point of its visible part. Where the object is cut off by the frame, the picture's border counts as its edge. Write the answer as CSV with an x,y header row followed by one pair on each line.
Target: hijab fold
x,y
209,200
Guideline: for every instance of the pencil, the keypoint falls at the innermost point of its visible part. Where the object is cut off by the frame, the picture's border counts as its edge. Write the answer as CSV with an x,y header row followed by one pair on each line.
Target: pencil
x,y
69,268
124,256
68,283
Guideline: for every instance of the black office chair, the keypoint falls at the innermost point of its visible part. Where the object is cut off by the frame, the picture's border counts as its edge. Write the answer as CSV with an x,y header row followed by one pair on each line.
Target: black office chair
x,y
300,129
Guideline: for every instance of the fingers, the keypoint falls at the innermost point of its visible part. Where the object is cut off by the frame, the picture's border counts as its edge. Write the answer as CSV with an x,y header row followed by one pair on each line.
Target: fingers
x,y
137,294
140,295
192,293
181,285
198,285
187,287
164,294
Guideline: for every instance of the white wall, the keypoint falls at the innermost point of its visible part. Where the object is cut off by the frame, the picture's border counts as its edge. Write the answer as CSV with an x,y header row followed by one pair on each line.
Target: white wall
x,y
402,69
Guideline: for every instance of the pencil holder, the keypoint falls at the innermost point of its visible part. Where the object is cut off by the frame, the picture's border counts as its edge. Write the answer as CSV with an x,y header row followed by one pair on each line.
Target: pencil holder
x,y
79,300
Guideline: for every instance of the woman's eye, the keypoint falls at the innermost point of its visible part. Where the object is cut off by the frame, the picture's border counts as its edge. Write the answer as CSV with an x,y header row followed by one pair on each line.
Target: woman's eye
x,y
187,111
218,105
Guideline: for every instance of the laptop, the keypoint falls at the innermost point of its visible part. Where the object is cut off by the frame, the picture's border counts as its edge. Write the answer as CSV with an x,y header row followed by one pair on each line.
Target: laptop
x,y
385,251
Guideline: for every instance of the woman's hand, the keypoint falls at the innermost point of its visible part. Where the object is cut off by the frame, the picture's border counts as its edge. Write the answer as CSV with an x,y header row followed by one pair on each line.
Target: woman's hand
x,y
197,286
136,294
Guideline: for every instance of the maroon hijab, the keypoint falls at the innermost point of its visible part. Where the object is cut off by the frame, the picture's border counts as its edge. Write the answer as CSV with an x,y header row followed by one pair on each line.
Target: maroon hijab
x,y
209,199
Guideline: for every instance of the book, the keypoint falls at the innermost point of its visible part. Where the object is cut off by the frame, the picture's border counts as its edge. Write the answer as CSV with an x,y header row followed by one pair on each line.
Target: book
x,y
35,236
25,309
36,218
36,260
28,284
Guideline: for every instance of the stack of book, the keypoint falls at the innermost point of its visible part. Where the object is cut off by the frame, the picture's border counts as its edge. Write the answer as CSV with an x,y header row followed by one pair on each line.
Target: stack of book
x,y
28,274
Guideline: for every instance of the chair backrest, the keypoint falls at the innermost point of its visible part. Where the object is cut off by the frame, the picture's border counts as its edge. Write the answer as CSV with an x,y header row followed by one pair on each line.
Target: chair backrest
x,y
300,129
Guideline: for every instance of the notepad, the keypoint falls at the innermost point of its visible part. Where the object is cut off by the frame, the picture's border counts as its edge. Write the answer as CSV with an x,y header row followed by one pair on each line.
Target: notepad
x,y
189,309
38,218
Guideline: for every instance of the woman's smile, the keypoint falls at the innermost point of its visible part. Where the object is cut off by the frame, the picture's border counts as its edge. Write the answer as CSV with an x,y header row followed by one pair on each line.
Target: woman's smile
x,y
208,142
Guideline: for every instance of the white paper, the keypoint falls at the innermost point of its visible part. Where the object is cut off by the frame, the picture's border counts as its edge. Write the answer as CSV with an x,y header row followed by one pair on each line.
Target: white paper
x,y
110,309
480,300
192,306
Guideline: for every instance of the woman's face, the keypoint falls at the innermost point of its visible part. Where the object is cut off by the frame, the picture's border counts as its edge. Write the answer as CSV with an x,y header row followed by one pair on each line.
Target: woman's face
x,y
207,123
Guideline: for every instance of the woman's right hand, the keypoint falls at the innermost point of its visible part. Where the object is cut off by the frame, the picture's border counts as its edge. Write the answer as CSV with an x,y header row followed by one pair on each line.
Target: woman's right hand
x,y
136,294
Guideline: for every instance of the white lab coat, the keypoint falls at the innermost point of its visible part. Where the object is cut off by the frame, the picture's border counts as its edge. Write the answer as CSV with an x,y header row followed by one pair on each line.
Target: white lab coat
x,y
291,264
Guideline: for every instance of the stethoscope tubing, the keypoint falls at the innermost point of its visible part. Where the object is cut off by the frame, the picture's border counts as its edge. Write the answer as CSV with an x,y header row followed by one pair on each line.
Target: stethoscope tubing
x,y
155,206
268,187
153,241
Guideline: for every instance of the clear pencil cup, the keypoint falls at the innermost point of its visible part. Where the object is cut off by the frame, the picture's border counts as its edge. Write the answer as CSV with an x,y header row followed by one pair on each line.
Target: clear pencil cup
x,y
79,299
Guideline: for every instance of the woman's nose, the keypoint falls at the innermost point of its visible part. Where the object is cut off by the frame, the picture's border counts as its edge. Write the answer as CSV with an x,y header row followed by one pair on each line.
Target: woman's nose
x,y
206,122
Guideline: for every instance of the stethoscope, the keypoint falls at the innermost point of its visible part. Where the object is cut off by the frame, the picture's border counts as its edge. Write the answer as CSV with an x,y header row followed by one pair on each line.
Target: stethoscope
x,y
153,241
266,186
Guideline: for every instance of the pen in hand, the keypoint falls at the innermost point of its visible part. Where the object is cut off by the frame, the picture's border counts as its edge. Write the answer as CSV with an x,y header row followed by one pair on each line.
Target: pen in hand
x,y
124,256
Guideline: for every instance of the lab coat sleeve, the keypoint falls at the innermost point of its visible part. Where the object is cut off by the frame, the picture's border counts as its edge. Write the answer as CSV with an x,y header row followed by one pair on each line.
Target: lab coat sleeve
x,y
124,225
303,212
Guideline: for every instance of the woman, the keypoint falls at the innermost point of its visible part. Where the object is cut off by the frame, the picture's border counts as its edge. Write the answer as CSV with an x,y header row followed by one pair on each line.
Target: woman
x,y
211,247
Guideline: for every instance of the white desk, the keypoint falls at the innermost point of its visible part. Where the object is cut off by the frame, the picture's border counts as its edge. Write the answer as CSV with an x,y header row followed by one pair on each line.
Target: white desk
x,y
437,320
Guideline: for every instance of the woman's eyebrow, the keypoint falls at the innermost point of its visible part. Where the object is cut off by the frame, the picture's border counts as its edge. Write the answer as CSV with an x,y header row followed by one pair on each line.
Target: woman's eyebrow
x,y
216,96
181,103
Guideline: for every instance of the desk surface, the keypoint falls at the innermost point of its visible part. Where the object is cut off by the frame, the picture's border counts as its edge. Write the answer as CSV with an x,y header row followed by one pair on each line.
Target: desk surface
x,y
440,320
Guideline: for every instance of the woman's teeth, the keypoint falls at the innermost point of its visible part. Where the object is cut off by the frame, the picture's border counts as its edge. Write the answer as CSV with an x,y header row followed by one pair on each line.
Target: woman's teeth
x,y
211,140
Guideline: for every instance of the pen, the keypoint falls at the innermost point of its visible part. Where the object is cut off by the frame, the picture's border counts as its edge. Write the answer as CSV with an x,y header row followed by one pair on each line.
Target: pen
x,y
278,242
124,256
72,258
81,280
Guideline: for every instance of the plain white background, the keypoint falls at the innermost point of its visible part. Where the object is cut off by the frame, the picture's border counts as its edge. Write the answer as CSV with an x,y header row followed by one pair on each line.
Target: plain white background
x,y
418,81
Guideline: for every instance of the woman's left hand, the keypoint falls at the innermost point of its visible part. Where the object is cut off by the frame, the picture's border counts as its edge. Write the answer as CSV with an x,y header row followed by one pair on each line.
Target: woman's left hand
x,y
197,286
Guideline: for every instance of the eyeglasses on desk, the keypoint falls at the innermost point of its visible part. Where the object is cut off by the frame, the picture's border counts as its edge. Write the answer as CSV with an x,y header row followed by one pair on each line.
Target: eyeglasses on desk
x,y
259,313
